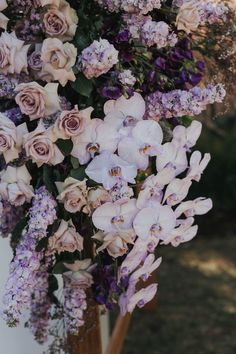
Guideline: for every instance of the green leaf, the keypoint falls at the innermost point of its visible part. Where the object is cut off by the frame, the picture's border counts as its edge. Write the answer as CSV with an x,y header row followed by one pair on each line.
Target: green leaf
x,y
74,162
81,41
17,232
48,179
82,85
53,283
78,173
59,268
65,146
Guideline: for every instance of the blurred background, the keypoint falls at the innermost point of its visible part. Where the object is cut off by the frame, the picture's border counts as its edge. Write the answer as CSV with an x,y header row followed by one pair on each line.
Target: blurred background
x,y
196,302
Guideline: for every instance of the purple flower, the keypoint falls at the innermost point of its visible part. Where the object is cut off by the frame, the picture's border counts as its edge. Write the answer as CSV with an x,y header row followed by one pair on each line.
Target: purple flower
x,y
111,92
24,268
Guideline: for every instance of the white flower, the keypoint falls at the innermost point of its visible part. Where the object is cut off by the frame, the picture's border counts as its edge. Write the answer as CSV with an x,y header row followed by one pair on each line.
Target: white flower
x,y
109,169
111,217
177,190
174,156
145,141
151,192
124,113
15,185
148,267
97,137
198,206
197,165
187,137
184,233
157,222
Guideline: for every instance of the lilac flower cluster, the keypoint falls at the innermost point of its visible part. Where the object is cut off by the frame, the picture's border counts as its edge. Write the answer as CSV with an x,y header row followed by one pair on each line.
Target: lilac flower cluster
x,y
31,27
24,268
131,6
74,305
9,217
212,12
150,32
14,114
40,307
7,86
98,58
178,103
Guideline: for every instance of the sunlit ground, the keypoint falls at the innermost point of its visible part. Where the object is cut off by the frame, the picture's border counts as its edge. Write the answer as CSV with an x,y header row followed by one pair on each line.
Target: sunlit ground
x,y
196,311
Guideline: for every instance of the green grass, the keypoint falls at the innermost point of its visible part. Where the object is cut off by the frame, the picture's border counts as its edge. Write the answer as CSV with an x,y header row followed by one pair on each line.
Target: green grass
x,y
196,309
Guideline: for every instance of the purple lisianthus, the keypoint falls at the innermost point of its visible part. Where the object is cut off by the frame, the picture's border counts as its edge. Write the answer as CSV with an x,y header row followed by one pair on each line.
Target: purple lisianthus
x,y
111,92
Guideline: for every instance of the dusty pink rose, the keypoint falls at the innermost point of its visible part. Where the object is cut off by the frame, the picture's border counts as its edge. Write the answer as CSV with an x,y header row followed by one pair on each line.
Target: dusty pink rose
x,y
98,196
58,59
66,238
13,54
15,185
73,194
71,123
60,21
188,18
40,147
36,101
80,272
10,138
115,243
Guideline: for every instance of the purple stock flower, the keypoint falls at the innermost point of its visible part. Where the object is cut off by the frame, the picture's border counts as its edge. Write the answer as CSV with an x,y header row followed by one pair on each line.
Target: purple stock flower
x,y
111,92
9,217
24,268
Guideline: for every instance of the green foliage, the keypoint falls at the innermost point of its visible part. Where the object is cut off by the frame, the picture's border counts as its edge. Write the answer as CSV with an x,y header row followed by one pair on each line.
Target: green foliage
x,y
78,173
65,146
17,232
82,85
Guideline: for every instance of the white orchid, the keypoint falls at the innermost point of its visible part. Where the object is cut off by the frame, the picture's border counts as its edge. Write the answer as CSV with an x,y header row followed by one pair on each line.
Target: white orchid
x,y
145,140
184,233
197,165
174,156
187,137
96,138
152,189
149,265
198,206
111,217
110,169
157,222
177,191
124,113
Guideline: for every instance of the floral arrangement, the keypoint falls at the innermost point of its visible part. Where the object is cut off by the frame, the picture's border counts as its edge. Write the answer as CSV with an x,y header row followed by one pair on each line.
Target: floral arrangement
x,y
96,149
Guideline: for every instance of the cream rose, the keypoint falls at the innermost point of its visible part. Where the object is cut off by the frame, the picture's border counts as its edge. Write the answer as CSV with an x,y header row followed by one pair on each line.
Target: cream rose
x,y
41,148
60,21
15,185
13,54
49,2
188,18
58,59
3,19
97,197
66,239
11,138
80,272
73,194
37,101
71,123
116,243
